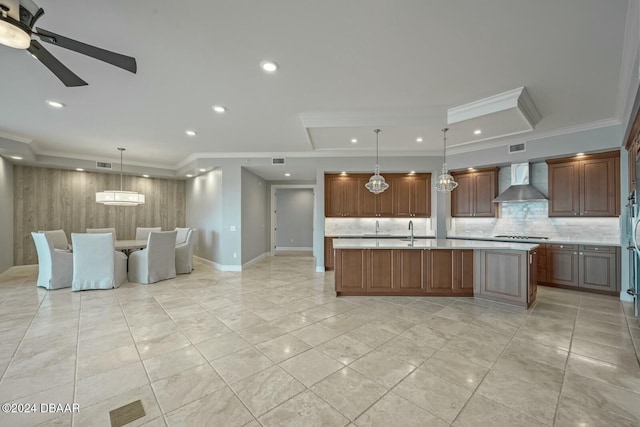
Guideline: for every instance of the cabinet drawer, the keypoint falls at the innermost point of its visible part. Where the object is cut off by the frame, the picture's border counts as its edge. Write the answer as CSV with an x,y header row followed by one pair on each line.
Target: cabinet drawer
x,y
602,249
562,246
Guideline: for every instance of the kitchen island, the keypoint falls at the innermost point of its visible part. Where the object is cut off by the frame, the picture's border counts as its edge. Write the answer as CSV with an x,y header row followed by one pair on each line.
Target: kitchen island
x,y
499,271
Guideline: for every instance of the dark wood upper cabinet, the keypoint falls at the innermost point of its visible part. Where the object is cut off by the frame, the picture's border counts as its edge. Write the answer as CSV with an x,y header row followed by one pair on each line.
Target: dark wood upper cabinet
x,y
407,196
475,193
564,192
411,195
341,196
585,186
372,205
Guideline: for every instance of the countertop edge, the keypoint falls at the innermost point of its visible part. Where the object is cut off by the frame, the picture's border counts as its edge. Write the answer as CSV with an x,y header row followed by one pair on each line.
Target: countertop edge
x,y
553,241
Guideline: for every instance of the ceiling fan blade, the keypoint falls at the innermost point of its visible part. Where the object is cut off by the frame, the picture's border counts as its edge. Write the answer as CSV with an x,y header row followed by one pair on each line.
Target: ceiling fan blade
x,y
58,68
125,62
13,8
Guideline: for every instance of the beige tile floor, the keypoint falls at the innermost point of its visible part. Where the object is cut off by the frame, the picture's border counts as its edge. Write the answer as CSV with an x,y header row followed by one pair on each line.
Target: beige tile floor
x,y
273,346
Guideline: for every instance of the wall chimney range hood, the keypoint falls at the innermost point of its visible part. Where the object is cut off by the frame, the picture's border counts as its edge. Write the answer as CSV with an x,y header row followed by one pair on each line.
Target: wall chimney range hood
x,y
520,189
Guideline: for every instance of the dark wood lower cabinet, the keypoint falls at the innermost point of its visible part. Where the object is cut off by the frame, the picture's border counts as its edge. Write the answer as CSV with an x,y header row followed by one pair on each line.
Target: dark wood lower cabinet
x,y
409,267
450,272
583,267
562,265
353,268
328,253
507,276
404,272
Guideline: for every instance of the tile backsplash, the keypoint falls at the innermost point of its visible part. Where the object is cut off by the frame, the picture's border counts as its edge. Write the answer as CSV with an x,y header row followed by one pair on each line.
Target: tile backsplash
x,y
531,218
359,226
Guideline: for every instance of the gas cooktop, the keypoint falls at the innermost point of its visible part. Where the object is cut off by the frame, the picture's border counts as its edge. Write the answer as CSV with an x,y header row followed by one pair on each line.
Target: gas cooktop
x,y
516,237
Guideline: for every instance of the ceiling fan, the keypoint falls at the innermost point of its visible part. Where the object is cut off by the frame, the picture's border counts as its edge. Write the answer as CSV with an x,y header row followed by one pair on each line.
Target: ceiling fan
x,y
17,20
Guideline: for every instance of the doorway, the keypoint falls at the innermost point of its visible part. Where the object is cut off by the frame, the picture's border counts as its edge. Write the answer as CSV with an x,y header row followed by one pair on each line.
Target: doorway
x,y
292,219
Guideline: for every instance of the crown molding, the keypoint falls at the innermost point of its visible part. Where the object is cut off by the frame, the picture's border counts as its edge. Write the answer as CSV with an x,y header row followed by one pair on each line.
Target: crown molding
x,y
517,98
630,52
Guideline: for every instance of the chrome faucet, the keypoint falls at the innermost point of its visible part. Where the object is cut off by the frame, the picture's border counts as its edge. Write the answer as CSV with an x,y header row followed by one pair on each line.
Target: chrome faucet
x,y
377,226
411,229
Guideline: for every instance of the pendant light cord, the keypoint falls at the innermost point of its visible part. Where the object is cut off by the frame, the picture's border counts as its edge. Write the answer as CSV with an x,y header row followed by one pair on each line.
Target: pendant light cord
x,y
377,131
121,150
444,131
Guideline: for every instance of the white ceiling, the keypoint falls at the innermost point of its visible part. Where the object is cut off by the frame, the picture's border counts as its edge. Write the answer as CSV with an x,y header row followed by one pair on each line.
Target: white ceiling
x,y
346,67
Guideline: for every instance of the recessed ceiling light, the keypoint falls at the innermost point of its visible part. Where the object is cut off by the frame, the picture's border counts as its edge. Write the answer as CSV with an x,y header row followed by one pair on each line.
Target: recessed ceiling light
x,y
55,104
145,176
203,170
412,172
418,139
269,66
80,169
354,141
219,109
189,175
343,173
16,157
477,131
287,174
471,169
580,154
191,132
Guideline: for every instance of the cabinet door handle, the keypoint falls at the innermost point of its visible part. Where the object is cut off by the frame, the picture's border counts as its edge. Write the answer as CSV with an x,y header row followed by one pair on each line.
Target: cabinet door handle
x,y
575,213
581,253
576,253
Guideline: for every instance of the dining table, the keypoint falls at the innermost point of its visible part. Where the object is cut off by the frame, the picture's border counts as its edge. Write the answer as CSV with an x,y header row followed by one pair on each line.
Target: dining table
x,y
127,246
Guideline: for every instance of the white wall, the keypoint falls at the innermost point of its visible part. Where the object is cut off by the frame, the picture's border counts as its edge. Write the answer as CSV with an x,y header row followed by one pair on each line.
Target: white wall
x,y
255,216
204,212
6,214
294,218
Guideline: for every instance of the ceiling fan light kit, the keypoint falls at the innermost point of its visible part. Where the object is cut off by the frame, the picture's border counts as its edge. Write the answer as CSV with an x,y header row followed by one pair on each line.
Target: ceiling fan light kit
x,y
12,34
17,34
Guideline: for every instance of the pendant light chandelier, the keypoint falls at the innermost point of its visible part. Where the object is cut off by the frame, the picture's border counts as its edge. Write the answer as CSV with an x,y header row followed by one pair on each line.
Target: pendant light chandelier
x,y
120,197
445,182
376,183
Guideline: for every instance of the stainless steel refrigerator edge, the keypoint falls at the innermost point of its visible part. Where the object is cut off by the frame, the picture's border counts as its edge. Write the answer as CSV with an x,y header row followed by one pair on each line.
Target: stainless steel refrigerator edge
x,y
633,240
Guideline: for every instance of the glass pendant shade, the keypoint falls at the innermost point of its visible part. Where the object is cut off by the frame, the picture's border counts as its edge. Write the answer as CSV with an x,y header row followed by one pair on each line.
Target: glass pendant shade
x,y
120,197
376,183
445,181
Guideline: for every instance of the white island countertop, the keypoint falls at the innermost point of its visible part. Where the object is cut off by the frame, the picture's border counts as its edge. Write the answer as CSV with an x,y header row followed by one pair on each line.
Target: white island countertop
x,y
429,244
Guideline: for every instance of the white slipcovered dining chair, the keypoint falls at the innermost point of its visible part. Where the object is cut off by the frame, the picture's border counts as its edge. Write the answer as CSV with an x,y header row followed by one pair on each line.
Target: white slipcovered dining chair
x,y
55,266
181,237
156,262
58,237
111,230
184,254
143,233
96,265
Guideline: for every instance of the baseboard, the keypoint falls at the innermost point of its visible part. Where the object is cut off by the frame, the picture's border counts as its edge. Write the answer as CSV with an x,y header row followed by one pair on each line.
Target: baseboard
x,y
19,267
256,259
320,269
283,248
217,266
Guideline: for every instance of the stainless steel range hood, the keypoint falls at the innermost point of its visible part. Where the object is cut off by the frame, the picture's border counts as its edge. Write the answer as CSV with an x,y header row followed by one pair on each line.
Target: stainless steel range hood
x,y
520,189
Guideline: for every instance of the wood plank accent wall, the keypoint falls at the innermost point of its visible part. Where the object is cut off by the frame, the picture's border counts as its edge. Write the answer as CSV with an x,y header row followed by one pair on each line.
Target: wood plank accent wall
x,y
52,199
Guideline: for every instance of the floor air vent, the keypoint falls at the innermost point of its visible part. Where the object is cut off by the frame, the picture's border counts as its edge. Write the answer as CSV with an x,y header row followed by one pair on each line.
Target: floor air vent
x,y
517,148
278,161
103,165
